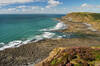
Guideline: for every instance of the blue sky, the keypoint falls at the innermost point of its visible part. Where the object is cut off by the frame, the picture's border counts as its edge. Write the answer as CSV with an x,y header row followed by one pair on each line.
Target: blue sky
x,y
48,6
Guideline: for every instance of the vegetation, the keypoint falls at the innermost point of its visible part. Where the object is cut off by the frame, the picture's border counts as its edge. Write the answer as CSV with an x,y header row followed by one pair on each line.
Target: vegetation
x,y
85,16
76,56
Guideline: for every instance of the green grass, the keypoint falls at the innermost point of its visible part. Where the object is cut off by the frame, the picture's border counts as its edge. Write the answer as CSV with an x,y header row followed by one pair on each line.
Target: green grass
x,y
54,61
78,60
97,55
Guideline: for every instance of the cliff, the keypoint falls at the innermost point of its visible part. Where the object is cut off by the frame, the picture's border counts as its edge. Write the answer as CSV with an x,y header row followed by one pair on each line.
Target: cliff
x,y
84,17
85,25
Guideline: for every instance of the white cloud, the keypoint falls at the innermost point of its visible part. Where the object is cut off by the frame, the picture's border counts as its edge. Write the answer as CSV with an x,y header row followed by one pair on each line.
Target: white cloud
x,y
11,9
14,1
42,9
86,5
7,2
64,8
28,8
53,3
34,7
19,1
23,6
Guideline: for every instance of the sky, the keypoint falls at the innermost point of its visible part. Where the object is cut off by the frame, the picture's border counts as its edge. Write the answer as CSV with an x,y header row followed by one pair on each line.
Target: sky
x,y
48,6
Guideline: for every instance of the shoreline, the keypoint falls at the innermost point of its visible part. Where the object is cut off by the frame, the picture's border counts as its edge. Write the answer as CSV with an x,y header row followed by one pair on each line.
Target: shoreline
x,y
40,50
36,52
48,32
15,46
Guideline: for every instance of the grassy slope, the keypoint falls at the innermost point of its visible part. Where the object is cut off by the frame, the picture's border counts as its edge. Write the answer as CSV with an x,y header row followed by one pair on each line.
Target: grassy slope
x,y
85,16
77,56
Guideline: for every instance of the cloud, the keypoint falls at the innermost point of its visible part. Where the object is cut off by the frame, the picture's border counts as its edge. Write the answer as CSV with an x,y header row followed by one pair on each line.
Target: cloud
x,y
35,7
29,7
86,5
42,9
23,6
18,1
11,9
14,1
7,6
7,2
53,3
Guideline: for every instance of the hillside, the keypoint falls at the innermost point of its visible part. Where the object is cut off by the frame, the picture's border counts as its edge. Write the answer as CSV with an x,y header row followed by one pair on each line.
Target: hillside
x,y
75,56
85,25
84,17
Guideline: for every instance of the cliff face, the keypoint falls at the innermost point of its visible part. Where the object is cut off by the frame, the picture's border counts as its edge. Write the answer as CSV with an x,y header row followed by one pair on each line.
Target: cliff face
x,y
84,17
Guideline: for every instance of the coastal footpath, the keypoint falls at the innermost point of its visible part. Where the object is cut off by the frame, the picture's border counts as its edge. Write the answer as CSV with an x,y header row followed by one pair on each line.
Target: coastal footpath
x,y
83,25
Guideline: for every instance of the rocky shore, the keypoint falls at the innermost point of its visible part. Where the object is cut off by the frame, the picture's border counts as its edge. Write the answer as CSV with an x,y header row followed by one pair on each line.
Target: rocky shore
x,y
27,55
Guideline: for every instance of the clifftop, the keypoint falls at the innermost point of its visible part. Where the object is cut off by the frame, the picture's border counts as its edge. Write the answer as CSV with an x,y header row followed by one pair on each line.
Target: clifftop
x,y
84,16
76,56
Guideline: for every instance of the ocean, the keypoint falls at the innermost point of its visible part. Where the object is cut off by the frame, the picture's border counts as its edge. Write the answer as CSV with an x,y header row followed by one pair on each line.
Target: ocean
x,y
19,29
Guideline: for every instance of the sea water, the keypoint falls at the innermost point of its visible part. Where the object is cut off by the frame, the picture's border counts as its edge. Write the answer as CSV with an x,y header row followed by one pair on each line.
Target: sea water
x,y
18,29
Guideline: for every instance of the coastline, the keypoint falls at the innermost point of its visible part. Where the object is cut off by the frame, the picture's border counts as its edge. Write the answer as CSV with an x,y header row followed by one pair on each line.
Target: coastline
x,y
47,34
35,52
9,48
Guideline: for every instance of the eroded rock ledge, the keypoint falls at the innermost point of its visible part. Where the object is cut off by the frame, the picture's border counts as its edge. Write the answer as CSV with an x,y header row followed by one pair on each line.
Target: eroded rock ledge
x,y
84,17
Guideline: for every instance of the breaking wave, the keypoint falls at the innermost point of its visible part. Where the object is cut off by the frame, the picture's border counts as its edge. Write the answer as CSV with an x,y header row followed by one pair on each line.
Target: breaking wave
x,y
59,26
17,43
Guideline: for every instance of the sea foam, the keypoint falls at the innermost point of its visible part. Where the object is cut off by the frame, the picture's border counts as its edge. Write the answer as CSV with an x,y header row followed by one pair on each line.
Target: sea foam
x,y
59,26
12,44
48,35
17,43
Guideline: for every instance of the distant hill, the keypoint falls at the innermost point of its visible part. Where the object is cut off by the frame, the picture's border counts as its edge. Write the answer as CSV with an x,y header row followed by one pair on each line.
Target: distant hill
x,y
84,16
